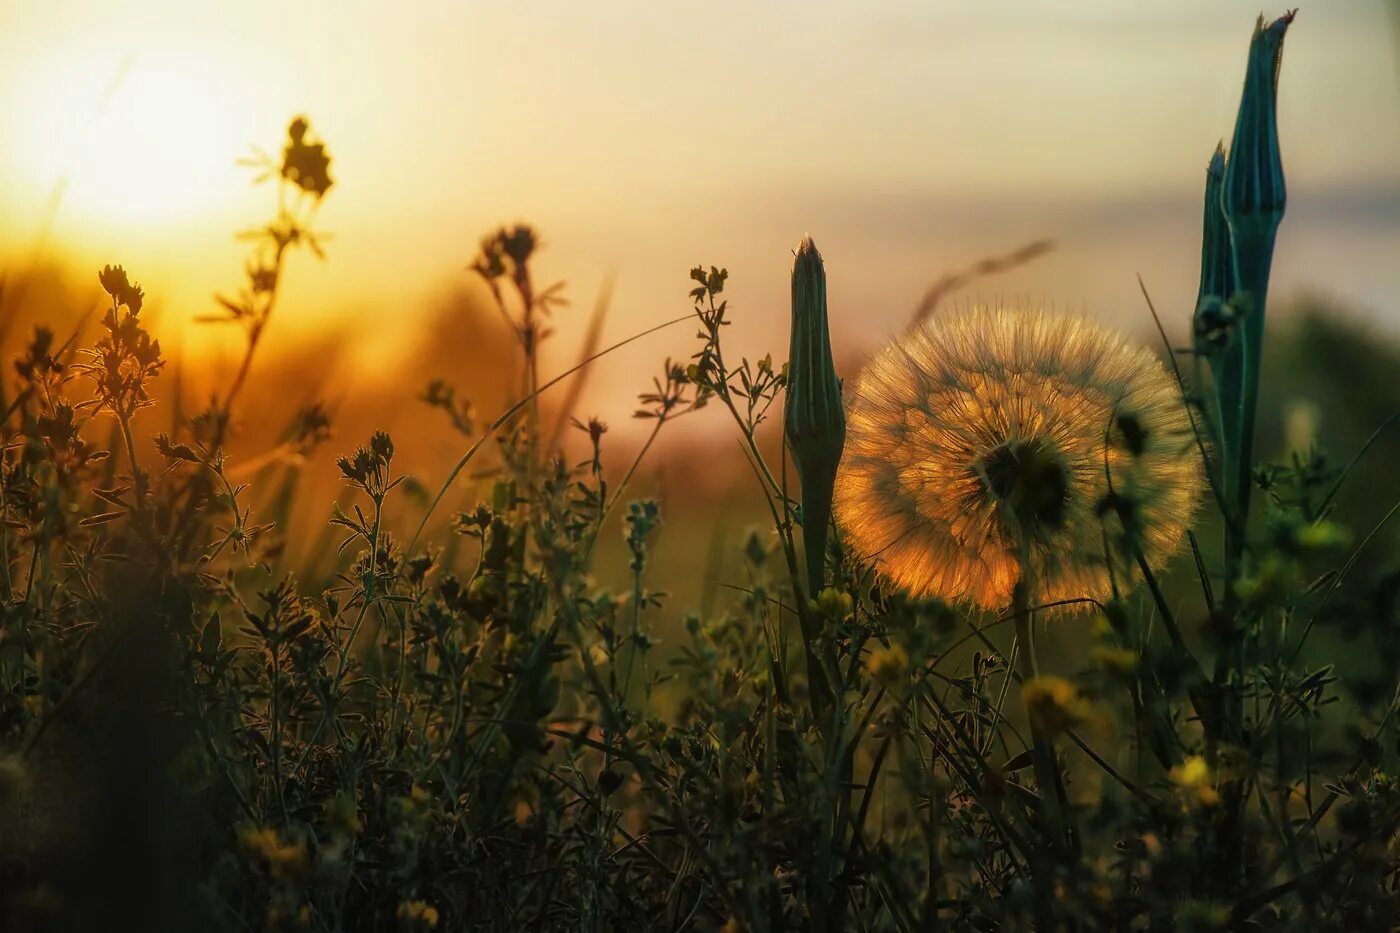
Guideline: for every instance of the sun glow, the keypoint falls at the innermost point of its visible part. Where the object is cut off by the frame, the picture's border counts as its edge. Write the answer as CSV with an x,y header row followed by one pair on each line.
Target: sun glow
x,y
137,139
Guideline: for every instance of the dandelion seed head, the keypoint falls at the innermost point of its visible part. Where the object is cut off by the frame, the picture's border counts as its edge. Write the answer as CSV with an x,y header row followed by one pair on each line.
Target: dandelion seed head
x,y
988,431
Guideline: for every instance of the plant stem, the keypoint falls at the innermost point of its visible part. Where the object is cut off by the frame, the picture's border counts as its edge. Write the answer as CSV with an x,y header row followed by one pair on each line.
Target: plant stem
x,y
1047,774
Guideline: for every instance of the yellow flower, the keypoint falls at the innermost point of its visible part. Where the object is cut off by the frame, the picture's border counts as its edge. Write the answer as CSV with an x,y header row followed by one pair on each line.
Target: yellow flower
x,y
986,428
1054,702
1194,778
1120,661
284,859
304,163
418,915
887,665
833,603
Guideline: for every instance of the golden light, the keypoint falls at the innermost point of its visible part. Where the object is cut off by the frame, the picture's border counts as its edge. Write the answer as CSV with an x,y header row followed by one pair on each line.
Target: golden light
x,y
133,140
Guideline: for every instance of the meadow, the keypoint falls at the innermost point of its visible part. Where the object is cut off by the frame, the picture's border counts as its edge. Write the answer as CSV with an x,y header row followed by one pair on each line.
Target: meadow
x,y
1022,624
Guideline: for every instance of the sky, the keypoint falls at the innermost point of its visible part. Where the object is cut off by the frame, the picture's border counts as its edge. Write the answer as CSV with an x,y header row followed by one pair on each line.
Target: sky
x,y
909,139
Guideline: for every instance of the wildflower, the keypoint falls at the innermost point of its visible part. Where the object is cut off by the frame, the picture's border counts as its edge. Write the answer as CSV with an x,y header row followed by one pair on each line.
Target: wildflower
x,y
518,243
833,603
1054,703
596,429
304,163
1114,660
888,664
1193,777
283,859
418,915
977,435
508,249
262,277
114,282
1321,535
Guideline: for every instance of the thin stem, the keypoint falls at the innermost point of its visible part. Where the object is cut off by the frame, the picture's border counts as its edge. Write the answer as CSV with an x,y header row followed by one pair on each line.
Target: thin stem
x,y
1047,776
510,413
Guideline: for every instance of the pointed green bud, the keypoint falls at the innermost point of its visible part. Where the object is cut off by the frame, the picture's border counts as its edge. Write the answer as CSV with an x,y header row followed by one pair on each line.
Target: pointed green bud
x,y
1215,324
1254,192
1253,199
1217,260
814,420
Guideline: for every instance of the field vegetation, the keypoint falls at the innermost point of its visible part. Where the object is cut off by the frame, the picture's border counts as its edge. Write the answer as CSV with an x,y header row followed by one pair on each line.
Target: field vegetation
x,y
1032,627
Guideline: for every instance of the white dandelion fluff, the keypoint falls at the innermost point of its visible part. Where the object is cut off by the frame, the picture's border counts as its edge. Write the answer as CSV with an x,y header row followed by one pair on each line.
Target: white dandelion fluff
x,y
987,434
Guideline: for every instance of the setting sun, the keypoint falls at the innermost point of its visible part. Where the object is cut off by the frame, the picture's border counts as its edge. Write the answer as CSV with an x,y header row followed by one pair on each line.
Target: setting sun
x,y
131,139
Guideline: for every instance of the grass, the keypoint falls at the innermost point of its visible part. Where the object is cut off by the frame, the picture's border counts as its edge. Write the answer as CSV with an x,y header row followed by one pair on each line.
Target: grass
x,y
465,728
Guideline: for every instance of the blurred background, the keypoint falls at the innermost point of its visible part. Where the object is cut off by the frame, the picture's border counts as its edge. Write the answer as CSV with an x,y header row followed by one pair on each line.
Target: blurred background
x,y
910,139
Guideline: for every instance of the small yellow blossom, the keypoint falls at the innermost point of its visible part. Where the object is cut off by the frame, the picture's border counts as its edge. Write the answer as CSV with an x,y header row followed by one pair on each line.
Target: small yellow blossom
x,y
1194,778
284,859
418,915
888,665
1322,536
833,603
1054,703
1121,661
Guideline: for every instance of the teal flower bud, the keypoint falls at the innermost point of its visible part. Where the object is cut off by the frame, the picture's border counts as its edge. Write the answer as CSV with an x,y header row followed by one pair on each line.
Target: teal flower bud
x,y
1253,194
1253,200
814,420
1217,258
1215,324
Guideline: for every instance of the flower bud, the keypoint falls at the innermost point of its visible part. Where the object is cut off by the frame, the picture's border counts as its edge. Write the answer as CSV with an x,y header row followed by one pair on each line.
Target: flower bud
x,y
1253,192
1214,325
1217,260
814,421
1253,199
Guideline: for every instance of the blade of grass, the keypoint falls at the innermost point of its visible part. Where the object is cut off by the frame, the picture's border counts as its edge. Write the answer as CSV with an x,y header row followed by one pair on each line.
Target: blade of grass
x,y
592,337
515,409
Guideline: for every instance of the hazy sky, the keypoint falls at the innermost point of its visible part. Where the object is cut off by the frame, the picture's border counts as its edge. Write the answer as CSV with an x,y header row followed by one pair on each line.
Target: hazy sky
x,y
908,138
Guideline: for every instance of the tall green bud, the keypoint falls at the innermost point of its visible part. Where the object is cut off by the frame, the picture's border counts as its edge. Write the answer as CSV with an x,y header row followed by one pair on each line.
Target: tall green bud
x,y
1217,259
814,421
1253,200
1214,325
1253,196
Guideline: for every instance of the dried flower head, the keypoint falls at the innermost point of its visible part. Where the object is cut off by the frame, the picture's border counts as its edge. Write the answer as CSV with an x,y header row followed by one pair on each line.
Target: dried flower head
x,y
114,282
984,433
306,163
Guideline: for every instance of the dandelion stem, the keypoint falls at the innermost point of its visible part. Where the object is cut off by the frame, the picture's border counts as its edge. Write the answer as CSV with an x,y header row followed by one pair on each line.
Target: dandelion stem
x,y
1047,775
